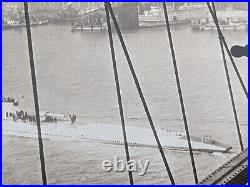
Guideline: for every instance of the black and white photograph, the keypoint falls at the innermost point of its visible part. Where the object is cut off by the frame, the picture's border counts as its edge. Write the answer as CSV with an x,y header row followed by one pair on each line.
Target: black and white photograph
x,y
124,93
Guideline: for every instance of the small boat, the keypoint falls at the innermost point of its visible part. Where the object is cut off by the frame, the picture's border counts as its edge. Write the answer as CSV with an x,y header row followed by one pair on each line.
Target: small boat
x,y
12,24
39,22
228,27
89,28
204,24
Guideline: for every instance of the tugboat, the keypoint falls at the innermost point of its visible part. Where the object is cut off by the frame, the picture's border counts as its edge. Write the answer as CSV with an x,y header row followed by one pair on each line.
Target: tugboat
x,y
204,24
92,28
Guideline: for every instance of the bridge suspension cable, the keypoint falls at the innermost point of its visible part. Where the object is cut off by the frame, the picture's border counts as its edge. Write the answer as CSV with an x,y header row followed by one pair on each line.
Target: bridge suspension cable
x,y
228,79
109,7
118,91
33,76
222,38
180,93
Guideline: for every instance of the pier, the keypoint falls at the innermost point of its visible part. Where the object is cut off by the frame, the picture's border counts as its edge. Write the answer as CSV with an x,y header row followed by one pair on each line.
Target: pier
x,y
127,16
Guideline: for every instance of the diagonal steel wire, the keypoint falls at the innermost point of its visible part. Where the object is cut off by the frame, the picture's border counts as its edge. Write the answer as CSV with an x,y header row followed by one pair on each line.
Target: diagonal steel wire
x,y
108,5
33,76
180,93
229,83
227,50
118,91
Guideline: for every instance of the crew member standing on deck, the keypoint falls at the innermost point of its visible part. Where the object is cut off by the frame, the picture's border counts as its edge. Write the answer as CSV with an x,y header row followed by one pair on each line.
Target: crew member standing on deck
x,y
72,118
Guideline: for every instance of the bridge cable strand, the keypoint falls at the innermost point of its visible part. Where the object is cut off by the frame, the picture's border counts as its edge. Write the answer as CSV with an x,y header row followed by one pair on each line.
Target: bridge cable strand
x,y
229,83
227,49
180,93
108,5
33,76
119,97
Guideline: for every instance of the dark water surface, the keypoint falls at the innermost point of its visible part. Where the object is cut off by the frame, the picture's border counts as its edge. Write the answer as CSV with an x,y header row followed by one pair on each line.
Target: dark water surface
x,y
75,75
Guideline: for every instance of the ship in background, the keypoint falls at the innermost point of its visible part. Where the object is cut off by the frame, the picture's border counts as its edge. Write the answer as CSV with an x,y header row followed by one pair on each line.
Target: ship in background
x,y
229,19
94,19
155,16
91,16
226,23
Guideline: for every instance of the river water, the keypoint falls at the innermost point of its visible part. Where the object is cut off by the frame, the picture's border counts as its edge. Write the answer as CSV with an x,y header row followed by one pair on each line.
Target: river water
x,y
75,75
